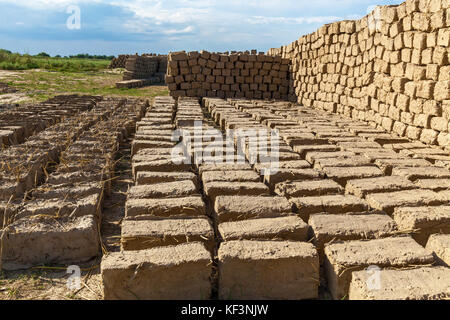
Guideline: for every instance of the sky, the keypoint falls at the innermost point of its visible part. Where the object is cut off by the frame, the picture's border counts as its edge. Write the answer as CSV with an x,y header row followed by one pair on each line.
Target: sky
x,y
160,26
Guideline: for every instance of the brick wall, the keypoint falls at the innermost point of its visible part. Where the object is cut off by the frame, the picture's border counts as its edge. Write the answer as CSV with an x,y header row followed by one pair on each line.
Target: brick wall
x,y
390,68
228,75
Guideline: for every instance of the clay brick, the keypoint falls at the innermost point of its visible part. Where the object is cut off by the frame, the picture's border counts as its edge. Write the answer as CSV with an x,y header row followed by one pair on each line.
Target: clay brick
x,y
343,174
332,204
247,271
386,165
407,198
40,240
326,228
433,184
167,273
308,188
429,172
426,283
163,190
290,228
423,221
150,233
439,244
236,208
231,176
217,188
184,206
144,177
274,176
344,258
363,187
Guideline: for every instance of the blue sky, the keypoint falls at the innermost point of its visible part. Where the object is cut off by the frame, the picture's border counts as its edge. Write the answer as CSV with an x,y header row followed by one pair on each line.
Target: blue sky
x,y
159,26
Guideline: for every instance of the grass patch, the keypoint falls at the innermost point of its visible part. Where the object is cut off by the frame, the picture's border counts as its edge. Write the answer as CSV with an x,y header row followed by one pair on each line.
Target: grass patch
x,y
41,85
16,61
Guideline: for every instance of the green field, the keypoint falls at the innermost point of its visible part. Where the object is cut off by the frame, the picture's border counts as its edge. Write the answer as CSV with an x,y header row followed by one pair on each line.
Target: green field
x,y
16,61
41,77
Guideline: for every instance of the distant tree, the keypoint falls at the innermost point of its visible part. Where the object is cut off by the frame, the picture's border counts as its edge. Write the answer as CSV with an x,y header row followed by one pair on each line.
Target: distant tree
x,y
43,54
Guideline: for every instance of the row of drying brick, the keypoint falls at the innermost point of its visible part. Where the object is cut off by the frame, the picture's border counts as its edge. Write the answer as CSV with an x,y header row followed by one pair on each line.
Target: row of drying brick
x,y
236,258
338,226
390,68
19,123
59,221
24,166
359,159
164,214
199,74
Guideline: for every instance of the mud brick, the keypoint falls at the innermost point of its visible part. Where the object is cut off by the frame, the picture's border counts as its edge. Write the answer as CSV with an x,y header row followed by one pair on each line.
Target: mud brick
x,y
439,244
423,221
144,177
236,208
41,240
268,270
311,157
406,198
290,228
375,154
425,283
159,166
363,187
359,145
163,190
141,144
217,188
429,172
308,188
343,174
442,90
433,184
326,228
344,258
304,139
274,176
183,206
166,273
332,204
150,233
304,149
231,176
288,164
320,164
223,167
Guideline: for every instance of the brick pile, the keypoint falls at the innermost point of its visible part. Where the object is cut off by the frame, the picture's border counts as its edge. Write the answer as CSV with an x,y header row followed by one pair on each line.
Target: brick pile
x,y
236,74
390,68
119,62
143,70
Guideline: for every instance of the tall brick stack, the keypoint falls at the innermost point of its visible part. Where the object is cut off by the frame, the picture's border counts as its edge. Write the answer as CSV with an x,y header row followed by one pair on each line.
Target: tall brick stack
x,y
143,70
118,62
240,74
390,68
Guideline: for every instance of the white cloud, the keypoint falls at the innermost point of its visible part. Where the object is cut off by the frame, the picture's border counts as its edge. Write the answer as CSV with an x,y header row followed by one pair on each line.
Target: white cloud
x,y
188,29
300,20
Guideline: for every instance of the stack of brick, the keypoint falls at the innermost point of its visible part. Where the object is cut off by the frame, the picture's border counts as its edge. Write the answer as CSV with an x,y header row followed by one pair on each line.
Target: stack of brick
x,y
390,68
118,62
143,70
241,74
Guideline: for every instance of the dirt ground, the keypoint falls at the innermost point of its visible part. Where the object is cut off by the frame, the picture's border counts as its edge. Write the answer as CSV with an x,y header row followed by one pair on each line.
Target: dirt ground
x,y
50,283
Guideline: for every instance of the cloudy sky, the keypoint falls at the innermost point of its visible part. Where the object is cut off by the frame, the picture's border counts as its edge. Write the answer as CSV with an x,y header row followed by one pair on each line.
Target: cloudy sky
x,y
139,26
